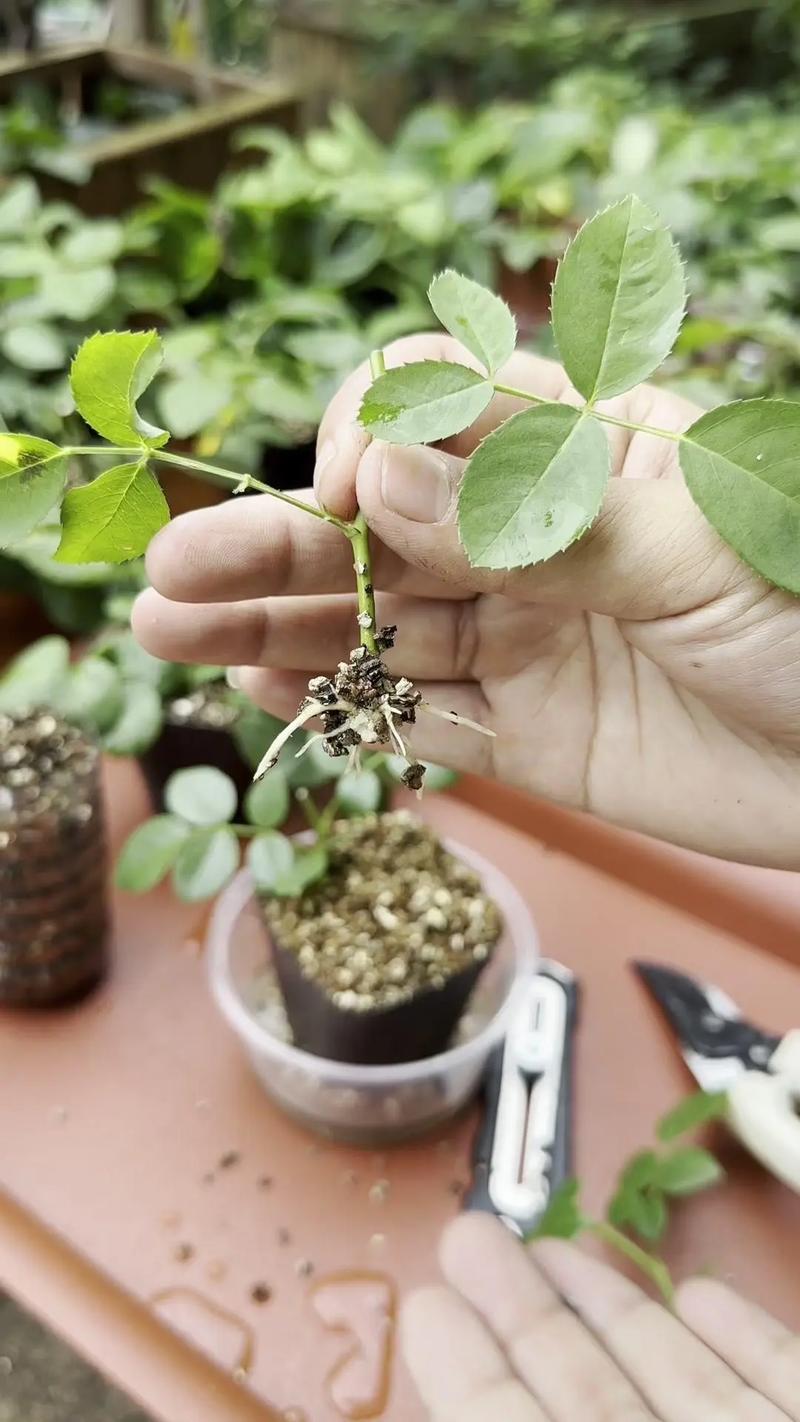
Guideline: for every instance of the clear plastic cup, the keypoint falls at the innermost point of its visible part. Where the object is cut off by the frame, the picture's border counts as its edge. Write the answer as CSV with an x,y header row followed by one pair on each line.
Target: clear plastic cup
x,y
366,1104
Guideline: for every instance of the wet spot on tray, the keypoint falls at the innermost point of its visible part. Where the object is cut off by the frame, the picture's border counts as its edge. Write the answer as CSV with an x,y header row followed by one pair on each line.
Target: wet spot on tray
x,y
362,1306
228,1339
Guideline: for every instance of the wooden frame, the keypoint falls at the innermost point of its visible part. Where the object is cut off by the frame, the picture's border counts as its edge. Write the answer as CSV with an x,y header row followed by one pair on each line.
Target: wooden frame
x,y
191,147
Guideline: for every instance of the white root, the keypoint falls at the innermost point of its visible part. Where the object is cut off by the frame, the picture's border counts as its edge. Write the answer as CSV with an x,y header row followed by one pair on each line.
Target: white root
x,y
317,738
270,759
394,734
455,719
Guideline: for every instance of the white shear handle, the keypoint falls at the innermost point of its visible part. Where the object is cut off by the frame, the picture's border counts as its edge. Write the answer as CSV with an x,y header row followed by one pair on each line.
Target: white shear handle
x,y
763,1111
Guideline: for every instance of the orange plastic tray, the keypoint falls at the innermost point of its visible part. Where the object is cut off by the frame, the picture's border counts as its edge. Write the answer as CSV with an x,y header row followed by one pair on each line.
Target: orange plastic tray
x,y
219,1262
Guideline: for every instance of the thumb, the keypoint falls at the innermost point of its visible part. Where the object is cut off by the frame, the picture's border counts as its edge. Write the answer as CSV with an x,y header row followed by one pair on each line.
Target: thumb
x,y
650,552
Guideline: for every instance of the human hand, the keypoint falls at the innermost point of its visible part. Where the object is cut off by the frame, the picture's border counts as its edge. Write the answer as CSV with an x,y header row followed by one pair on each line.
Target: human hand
x,y
645,675
548,1334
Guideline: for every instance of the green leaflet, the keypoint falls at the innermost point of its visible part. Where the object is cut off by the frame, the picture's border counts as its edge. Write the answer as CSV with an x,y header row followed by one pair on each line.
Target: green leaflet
x,y
741,464
252,731
32,476
695,1110
689,1169
423,402
532,487
563,1218
34,346
191,402
112,519
150,853
476,317
109,373
91,695
202,795
139,722
204,864
308,866
358,792
93,243
267,801
77,294
34,677
270,857
618,300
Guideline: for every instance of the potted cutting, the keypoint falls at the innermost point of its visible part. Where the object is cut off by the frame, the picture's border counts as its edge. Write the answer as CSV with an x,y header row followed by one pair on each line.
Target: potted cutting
x,y
378,934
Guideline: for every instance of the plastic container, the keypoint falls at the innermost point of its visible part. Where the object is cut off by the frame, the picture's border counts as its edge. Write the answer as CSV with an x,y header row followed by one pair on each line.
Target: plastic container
x,y
367,1104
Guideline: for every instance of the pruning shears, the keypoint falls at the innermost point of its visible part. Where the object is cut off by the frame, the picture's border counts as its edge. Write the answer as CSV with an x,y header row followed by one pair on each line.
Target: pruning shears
x,y
758,1070
523,1150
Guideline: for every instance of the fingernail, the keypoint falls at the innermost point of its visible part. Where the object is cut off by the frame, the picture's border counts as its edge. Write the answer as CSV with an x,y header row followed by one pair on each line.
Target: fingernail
x,y
233,678
415,484
327,454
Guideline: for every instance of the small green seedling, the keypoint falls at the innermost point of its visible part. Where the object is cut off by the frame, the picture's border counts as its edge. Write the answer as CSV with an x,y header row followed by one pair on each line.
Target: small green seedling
x,y
530,490
199,841
646,1186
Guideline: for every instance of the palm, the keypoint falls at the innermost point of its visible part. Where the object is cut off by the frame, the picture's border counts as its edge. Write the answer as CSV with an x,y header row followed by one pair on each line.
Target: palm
x,y
645,675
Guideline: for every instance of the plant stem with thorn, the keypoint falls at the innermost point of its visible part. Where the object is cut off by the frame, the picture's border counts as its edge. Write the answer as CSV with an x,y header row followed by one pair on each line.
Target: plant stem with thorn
x,y
358,533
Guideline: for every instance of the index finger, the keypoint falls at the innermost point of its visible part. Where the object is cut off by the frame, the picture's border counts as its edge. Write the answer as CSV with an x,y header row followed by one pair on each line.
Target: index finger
x,y
256,547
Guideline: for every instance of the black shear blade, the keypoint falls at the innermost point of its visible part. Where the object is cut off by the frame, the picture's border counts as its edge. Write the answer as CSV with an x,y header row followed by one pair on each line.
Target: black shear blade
x,y
704,1019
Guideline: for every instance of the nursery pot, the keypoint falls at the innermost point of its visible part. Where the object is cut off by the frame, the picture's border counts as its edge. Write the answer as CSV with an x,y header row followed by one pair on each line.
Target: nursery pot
x,y
364,1102
181,746
54,913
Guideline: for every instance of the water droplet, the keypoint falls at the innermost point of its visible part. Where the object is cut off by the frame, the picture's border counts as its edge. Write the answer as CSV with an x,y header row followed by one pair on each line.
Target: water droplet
x,y
363,1306
759,457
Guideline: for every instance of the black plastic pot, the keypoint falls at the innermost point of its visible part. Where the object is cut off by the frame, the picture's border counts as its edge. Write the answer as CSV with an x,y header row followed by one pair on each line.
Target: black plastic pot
x,y
290,467
411,1031
182,746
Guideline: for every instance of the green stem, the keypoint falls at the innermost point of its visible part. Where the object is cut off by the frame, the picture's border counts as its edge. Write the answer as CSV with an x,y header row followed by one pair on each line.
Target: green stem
x,y
306,803
327,816
245,831
629,425
358,533
655,1269
197,466
365,592
598,414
